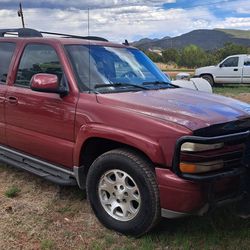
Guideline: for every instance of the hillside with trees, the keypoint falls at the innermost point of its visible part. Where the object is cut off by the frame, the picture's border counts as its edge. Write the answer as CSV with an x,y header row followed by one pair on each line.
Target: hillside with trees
x,y
193,56
203,38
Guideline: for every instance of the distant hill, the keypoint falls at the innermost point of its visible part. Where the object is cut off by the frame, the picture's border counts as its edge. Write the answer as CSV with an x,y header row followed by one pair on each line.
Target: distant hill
x,y
206,39
144,41
237,33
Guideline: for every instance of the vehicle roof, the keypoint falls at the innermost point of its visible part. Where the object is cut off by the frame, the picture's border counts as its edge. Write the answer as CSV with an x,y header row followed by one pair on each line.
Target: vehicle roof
x,y
63,41
239,55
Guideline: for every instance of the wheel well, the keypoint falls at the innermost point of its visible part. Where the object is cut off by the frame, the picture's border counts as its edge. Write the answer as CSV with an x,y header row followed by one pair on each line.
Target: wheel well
x,y
95,147
208,74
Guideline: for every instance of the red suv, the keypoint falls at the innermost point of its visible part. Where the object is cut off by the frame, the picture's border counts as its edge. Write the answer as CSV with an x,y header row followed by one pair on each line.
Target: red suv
x,y
87,112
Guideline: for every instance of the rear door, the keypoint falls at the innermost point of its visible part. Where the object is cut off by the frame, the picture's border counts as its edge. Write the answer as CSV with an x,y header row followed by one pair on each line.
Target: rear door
x,y
229,71
41,124
6,53
246,70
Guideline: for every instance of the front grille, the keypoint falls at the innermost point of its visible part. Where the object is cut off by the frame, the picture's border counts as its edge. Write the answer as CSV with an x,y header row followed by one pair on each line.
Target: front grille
x,y
228,161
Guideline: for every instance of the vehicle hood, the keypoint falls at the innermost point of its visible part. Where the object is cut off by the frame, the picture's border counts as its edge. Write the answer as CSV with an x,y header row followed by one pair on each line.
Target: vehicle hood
x,y
207,69
192,109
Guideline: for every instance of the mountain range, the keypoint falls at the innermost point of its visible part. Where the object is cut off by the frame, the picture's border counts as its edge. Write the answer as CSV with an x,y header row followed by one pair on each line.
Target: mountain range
x,y
204,38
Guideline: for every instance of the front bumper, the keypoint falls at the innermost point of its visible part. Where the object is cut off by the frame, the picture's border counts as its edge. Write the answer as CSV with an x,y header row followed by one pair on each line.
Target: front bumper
x,y
182,194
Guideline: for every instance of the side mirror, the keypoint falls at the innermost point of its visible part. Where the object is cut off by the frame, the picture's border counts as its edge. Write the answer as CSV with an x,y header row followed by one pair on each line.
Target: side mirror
x,y
47,83
220,65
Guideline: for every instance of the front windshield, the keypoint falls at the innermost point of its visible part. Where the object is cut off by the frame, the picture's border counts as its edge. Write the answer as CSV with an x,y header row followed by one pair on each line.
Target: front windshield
x,y
111,69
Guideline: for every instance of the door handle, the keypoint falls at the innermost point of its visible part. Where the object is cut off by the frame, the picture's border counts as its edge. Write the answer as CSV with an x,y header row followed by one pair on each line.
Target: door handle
x,y
12,99
235,69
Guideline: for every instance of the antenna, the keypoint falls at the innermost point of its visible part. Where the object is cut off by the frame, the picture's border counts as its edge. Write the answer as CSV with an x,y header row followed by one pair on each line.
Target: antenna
x,y
88,21
20,14
89,52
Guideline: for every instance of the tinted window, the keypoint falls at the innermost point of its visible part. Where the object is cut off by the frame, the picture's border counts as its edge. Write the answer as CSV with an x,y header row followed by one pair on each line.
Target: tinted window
x,y
247,61
231,62
6,53
37,59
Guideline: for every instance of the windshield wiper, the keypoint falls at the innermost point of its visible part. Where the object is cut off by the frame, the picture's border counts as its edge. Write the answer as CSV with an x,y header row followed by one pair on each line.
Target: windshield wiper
x,y
118,84
160,83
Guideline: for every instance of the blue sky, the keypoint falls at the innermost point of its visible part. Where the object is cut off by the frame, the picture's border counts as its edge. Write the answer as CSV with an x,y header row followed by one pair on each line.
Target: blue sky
x,y
130,19
215,6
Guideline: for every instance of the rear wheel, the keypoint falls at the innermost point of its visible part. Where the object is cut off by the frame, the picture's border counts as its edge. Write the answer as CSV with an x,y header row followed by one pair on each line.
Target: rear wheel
x,y
123,192
209,78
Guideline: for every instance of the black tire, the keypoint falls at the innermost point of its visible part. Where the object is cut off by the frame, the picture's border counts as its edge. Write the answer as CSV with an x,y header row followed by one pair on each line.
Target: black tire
x,y
209,78
140,171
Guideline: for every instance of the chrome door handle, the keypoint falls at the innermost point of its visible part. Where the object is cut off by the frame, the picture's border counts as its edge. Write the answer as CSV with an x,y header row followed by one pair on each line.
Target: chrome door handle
x,y
12,99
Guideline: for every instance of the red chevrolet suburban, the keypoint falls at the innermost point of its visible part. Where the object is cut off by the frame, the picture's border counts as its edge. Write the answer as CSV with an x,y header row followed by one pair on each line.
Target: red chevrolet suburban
x,y
87,112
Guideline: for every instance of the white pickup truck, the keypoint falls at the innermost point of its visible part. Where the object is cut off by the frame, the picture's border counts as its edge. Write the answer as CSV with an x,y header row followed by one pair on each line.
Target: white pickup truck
x,y
233,69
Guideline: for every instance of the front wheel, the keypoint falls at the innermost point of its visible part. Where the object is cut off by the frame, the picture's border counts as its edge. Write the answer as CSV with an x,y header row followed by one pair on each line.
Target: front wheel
x,y
123,192
209,78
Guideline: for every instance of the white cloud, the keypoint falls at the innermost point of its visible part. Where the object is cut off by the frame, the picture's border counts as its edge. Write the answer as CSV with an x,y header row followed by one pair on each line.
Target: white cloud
x,y
79,4
235,23
237,6
116,24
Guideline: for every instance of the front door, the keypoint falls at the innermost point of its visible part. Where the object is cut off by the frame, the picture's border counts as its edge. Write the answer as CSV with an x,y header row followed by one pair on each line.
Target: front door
x,y
6,52
229,71
40,124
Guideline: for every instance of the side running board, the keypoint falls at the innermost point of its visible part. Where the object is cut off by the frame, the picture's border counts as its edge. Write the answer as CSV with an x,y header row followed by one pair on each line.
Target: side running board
x,y
48,171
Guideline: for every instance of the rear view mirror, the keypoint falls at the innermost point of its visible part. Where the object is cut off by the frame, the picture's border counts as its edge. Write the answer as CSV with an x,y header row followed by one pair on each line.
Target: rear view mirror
x,y
47,83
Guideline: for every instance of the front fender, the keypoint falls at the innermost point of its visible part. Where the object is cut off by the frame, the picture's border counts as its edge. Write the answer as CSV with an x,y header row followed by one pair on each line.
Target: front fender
x,y
143,143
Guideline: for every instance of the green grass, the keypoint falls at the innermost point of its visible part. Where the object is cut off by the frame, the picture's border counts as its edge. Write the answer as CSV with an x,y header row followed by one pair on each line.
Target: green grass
x,y
12,192
232,89
47,245
4,168
219,230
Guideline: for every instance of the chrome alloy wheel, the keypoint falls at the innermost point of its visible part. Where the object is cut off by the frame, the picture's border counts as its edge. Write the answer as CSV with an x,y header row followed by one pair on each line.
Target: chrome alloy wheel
x,y
119,195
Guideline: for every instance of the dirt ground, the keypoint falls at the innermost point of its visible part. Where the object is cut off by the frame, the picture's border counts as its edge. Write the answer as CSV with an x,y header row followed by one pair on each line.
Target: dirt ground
x,y
44,216
244,97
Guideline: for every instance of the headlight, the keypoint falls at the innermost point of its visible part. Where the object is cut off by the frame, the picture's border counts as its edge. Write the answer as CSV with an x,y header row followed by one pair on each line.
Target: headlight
x,y
192,164
201,167
197,147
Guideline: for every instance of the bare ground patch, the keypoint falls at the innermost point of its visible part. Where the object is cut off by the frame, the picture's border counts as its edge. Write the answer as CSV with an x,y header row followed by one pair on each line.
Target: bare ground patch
x,y
244,97
44,215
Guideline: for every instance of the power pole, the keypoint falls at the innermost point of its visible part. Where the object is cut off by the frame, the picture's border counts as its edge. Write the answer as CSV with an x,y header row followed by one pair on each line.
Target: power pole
x,y
20,14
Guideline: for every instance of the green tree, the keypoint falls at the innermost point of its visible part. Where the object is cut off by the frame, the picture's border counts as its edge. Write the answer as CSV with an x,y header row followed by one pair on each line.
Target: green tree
x,y
170,55
192,56
231,49
155,57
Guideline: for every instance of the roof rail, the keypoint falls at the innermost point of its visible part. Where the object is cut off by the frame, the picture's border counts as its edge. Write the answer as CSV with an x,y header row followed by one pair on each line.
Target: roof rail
x,y
25,32
75,36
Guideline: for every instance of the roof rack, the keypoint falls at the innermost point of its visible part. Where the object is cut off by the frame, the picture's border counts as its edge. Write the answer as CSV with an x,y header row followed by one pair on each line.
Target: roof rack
x,y
75,36
20,32
25,32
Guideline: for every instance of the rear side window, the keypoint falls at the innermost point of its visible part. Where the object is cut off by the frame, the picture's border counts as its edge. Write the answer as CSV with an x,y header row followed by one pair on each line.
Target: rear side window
x,y
247,61
6,53
37,58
